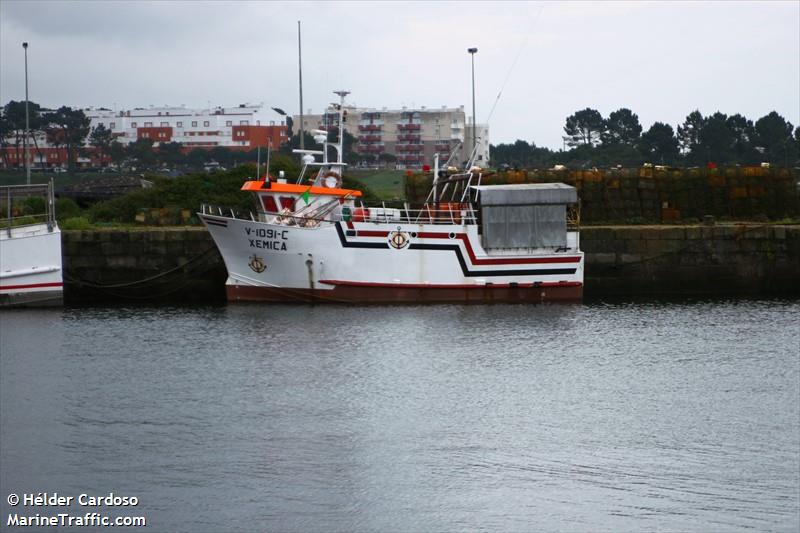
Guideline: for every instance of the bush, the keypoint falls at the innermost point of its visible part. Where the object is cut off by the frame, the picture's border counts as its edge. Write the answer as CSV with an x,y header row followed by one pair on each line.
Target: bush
x,y
66,208
75,223
35,205
189,192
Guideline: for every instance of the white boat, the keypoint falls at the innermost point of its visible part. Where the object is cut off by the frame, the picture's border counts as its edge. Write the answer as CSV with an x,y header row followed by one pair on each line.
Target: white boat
x,y
30,249
314,241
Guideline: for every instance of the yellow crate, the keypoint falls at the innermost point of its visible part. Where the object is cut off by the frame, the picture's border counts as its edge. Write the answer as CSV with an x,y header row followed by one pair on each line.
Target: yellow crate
x,y
670,214
716,181
755,172
738,192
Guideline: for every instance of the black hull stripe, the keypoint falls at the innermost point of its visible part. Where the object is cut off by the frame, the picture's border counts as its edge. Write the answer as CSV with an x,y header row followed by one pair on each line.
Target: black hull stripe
x,y
478,273
220,223
461,261
346,244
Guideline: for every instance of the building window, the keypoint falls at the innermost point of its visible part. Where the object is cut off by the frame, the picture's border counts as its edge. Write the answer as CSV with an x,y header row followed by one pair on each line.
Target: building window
x,y
145,135
148,124
194,123
164,124
243,122
133,124
162,134
205,123
229,123
112,125
180,124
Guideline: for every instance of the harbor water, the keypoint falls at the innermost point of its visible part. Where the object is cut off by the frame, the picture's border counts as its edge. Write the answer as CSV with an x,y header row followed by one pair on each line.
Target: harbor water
x,y
581,417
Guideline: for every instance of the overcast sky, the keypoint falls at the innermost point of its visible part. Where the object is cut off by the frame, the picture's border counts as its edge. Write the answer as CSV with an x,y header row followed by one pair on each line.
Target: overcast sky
x,y
550,59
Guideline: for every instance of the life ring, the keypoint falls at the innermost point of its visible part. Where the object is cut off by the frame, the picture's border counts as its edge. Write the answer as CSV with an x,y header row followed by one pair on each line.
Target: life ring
x,y
331,180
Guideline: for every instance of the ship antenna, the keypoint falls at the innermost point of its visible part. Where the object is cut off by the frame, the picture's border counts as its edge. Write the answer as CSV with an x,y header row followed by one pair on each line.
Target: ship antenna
x,y
340,144
300,75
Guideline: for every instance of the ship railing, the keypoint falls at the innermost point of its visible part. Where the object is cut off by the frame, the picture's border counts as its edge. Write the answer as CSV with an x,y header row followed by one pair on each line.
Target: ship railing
x,y
449,213
227,212
22,205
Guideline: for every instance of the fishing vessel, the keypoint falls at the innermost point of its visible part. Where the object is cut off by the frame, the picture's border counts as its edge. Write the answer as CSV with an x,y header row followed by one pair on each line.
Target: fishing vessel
x,y
315,241
30,247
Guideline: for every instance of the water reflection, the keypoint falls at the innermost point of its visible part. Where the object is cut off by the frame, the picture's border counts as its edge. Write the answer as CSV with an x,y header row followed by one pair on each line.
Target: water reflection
x,y
681,416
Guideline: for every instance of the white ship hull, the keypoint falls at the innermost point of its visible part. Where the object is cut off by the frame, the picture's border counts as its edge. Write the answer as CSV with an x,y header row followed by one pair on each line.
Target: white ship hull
x,y
386,262
30,266
316,241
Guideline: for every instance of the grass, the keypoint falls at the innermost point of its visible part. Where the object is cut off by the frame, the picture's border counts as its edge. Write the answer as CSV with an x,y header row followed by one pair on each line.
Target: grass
x,y
76,223
388,185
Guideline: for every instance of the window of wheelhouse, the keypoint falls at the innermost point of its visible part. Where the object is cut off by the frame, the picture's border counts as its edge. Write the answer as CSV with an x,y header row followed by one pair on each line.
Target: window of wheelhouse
x,y
287,202
269,203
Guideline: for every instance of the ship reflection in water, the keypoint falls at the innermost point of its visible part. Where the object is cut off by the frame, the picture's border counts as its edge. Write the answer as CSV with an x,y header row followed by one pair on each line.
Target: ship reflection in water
x,y
623,417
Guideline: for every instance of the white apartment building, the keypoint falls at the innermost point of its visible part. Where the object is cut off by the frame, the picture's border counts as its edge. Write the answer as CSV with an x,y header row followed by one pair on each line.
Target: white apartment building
x,y
413,136
242,127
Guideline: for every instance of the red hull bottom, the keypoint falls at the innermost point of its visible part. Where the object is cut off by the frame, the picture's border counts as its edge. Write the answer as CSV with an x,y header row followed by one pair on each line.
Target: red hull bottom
x,y
395,294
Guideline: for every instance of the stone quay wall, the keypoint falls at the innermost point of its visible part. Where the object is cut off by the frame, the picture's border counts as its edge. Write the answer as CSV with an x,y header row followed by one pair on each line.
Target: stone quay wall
x,y
182,265
729,259
171,265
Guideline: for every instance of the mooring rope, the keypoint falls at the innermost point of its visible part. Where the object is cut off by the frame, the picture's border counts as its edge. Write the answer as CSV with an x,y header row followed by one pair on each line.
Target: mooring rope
x,y
91,284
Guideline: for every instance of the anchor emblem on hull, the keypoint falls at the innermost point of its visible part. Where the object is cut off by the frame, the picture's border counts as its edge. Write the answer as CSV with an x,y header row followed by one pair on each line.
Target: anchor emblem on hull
x,y
257,264
398,240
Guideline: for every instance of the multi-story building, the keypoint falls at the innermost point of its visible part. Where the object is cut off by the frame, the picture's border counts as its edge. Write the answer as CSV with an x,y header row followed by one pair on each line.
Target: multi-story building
x,y
413,136
243,127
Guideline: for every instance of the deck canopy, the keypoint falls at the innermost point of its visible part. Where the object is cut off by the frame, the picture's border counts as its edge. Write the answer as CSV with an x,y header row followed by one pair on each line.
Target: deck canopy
x,y
524,216
527,194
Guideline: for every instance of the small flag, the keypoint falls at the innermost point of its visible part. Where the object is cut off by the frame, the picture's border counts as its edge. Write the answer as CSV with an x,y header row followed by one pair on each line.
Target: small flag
x,y
305,195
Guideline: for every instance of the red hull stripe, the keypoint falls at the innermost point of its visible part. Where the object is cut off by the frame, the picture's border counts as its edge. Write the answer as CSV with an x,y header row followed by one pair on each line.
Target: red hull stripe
x,y
31,286
393,295
337,282
370,233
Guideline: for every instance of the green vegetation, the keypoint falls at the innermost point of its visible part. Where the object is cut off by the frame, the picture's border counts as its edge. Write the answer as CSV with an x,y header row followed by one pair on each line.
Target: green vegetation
x,y
718,139
64,127
184,192
387,185
66,208
75,223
